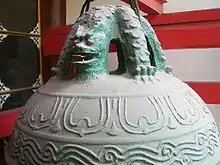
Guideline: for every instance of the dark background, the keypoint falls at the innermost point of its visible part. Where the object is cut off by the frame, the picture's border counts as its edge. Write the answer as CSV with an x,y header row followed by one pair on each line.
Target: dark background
x,y
19,55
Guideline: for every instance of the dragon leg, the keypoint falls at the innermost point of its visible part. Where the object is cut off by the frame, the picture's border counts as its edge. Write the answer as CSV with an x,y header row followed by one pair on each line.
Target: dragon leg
x,y
132,37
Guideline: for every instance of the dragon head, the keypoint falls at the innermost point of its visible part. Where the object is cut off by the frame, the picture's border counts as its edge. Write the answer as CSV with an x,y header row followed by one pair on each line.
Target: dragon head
x,y
89,51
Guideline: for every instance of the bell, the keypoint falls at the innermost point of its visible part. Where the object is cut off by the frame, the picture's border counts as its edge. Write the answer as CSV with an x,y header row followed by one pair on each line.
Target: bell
x,y
139,114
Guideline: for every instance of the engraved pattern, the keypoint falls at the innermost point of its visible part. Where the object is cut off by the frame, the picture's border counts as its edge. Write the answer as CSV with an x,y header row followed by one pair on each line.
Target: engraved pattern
x,y
3,98
89,127
23,117
36,39
112,106
39,121
27,151
2,36
144,125
115,115
198,101
163,106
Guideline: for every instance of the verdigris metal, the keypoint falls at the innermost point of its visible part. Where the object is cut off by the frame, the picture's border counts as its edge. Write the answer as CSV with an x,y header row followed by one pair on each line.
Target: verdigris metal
x,y
139,115
93,32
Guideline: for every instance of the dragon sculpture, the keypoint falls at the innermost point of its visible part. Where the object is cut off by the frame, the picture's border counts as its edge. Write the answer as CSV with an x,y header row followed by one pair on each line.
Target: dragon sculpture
x,y
87,46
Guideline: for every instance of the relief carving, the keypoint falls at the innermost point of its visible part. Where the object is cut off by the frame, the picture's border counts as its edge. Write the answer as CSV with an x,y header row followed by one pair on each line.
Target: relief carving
x,y
200,145
115,115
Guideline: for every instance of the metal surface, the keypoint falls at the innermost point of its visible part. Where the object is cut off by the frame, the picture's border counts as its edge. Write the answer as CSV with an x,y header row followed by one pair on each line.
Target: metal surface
x,y
92,117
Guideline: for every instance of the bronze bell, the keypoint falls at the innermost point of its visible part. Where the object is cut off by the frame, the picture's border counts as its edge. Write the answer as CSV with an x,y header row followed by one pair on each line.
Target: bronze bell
x,y
139,114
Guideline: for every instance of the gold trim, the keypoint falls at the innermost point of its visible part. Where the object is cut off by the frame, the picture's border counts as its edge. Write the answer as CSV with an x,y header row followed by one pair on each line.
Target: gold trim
x,y
2,28
15,33
40,51
39,16
35,30
2,36
36,41
37,81
18,90
3,98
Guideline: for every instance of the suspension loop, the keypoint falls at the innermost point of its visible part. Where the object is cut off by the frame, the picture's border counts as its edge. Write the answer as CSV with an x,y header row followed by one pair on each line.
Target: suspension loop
x,y
134,5
85,5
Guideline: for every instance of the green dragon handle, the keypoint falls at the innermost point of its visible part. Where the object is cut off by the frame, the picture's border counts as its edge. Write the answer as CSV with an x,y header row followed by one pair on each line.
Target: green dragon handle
x,y
86,48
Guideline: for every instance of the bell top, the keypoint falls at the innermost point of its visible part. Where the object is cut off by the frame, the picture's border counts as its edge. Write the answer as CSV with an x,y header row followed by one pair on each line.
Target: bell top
x,y
113,85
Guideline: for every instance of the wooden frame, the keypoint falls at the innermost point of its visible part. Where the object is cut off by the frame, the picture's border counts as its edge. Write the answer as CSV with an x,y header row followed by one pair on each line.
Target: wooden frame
x,y
26,34
9,117
48,20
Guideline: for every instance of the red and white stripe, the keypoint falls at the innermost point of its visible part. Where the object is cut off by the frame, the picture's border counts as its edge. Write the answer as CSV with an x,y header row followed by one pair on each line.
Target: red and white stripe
x,y
191,39
173,6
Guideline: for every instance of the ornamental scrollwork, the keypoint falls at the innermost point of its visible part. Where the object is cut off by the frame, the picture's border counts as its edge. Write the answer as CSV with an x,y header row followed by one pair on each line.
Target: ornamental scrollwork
x,y
114,115
200,145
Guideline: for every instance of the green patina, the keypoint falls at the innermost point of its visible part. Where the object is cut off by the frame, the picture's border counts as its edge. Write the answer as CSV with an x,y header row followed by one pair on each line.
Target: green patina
x,y
86,47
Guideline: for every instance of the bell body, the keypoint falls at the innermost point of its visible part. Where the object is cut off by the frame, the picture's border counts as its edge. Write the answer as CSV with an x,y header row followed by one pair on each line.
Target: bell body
x,y
142,115
115,120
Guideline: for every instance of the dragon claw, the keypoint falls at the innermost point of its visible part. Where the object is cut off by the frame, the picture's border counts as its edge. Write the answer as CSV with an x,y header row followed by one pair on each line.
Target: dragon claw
x,y
145,73
168,69
145,78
